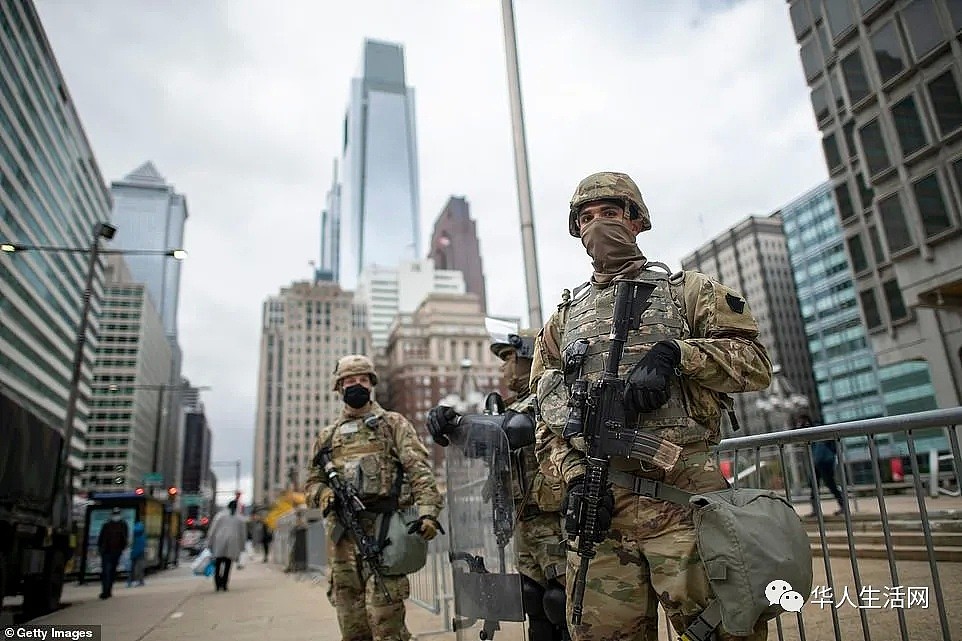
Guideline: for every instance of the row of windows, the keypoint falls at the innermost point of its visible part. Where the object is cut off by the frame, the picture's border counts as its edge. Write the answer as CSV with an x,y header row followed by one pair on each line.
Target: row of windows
x,y
894,303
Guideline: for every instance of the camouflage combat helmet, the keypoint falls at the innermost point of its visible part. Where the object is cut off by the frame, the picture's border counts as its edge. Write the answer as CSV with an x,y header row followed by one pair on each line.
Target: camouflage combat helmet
x,y
352,366
521,341
608,185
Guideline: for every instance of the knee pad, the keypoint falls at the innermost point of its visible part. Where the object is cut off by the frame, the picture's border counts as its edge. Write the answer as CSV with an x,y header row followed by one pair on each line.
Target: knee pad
x,y
532,597
554,603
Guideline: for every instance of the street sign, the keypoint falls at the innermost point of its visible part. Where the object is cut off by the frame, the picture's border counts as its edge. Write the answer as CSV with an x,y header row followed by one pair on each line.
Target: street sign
x,y
186,500
153,478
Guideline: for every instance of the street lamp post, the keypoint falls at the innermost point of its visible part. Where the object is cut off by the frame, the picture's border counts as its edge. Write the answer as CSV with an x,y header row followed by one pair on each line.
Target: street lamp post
x,y
101,231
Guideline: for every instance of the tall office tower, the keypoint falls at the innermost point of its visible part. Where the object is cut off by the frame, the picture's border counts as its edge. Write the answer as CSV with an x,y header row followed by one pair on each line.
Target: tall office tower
x,y
426,351
149,214
329,268
389,291
133,356
454,245
885,80
51,193
376,215
196,491
752,258
305,329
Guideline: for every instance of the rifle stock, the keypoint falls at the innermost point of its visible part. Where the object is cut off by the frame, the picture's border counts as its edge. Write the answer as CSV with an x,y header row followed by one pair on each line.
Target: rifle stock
x,y
348,507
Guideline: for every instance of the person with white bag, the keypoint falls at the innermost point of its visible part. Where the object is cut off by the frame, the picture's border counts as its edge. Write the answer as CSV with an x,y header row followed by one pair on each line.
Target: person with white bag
x,y
226,539
200,563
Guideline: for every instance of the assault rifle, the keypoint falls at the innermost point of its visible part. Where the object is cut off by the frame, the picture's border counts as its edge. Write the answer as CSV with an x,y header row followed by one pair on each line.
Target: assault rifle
x,y
348,507
596,413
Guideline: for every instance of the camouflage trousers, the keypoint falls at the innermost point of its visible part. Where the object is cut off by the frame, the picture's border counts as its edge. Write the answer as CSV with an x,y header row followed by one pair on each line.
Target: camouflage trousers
x,y
539,545
650,557
363,612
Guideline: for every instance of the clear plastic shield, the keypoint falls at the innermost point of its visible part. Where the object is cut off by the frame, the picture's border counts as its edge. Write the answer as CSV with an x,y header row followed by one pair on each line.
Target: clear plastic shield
x,y
487,585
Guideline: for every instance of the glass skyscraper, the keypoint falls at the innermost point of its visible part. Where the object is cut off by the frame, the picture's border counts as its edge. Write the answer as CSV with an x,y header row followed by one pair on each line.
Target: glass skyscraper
x,y
374,211
51,193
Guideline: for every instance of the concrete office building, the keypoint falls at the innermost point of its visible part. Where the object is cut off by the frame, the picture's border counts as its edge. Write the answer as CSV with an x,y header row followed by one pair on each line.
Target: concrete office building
x,y
125,418
885,80
51,193
373,207
425,353
389,291
454,245
305,329
752,258
196,486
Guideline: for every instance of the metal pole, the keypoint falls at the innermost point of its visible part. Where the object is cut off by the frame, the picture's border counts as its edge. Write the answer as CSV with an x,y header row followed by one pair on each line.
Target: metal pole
x,y
237,463
528,248
74,391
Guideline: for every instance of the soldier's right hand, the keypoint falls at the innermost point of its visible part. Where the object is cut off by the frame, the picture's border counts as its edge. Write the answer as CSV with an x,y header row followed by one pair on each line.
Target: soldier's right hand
x,y
574,509
441,421
326,501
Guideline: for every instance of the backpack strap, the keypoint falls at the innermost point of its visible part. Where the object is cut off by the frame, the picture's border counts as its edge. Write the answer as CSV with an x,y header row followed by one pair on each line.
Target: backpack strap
x,y
705,624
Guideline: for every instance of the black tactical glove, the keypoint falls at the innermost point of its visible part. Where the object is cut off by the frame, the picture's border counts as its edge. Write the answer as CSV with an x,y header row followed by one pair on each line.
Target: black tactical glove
x,y
441,421
427,526
574,507
648,381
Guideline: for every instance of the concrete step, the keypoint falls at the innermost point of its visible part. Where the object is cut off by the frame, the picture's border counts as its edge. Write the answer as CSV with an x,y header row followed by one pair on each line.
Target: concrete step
x,y
938,522
899,538
902,552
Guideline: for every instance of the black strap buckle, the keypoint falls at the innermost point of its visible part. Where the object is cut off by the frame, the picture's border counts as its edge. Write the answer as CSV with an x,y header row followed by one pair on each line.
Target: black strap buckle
x,y
704,625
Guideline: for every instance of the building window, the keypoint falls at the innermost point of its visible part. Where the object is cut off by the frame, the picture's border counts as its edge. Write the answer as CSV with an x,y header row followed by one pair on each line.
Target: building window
x,y
832,158
857,252
839,15
853,71
897,233
870,309
888,51
801,18
836,90
865,193
820,102
843,201
945,99
928,196
811,58
922,26
893,298
909,126
876,156
876,244
848,131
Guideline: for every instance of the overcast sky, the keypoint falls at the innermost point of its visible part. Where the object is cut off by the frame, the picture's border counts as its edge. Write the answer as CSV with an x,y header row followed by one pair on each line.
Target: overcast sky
x,y
240,105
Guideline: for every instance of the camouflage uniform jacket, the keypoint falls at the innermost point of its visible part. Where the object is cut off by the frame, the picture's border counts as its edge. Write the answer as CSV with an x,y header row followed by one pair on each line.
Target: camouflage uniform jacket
x,y
720,354
370,454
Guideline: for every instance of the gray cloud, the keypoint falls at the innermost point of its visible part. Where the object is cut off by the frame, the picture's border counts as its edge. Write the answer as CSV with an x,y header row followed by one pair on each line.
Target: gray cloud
x,y
240,105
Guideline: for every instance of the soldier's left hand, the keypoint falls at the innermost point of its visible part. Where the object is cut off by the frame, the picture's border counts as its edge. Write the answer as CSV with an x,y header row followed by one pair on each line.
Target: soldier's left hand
x,y
441,420
427,527
649,380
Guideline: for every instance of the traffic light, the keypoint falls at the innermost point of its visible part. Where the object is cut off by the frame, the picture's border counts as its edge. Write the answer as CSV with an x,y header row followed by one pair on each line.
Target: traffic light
x,y
204,521
190,522
139,491
171,492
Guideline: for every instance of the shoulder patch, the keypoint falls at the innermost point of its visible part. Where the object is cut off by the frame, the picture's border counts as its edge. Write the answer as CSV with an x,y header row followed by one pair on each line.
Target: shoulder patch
x,y
736,304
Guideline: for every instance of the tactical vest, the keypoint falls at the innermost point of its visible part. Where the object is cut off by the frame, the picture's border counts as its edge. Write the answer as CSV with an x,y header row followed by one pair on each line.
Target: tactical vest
x,y
364,454
534,492
589,316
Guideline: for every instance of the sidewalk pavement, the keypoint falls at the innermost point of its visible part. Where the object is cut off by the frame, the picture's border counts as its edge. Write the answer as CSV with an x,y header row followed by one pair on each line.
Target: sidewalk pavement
x,y
262,603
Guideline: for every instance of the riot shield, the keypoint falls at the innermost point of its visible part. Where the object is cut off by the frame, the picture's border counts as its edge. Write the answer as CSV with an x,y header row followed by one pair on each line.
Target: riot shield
x,y
487,585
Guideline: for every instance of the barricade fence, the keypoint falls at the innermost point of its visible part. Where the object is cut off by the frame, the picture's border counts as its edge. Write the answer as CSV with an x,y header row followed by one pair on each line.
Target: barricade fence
x,y
782,461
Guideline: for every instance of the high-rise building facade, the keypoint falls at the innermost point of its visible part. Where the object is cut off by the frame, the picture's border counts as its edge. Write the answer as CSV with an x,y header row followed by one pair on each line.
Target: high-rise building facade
x,y
51,193
132,364
454,245
389,291
752,258
375,214
305,329
885,82
426,352
843,364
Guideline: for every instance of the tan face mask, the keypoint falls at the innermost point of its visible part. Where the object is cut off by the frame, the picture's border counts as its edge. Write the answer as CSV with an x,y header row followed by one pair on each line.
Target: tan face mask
x,y
612,248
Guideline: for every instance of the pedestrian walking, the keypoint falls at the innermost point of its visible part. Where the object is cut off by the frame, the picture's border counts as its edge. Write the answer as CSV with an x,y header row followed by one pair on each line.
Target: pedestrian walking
x,y
111,543
138,562
226,538
824,460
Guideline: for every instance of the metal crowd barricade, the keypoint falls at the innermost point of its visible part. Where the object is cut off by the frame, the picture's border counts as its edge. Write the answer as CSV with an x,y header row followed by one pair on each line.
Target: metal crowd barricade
x,y
776,444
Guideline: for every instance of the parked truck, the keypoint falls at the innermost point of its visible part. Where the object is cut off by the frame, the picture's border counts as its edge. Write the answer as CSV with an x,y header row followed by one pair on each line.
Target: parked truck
x,y
35,542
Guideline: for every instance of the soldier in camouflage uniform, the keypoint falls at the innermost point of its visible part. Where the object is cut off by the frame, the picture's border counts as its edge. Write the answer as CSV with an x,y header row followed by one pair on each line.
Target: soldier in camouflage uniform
x,y
537,496
380,453
697,342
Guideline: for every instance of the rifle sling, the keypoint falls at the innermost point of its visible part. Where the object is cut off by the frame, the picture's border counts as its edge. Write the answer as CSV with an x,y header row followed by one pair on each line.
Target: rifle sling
x,y
649,487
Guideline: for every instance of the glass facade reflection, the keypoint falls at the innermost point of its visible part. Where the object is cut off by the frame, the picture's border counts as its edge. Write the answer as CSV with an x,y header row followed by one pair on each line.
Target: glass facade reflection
x,y
374,210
